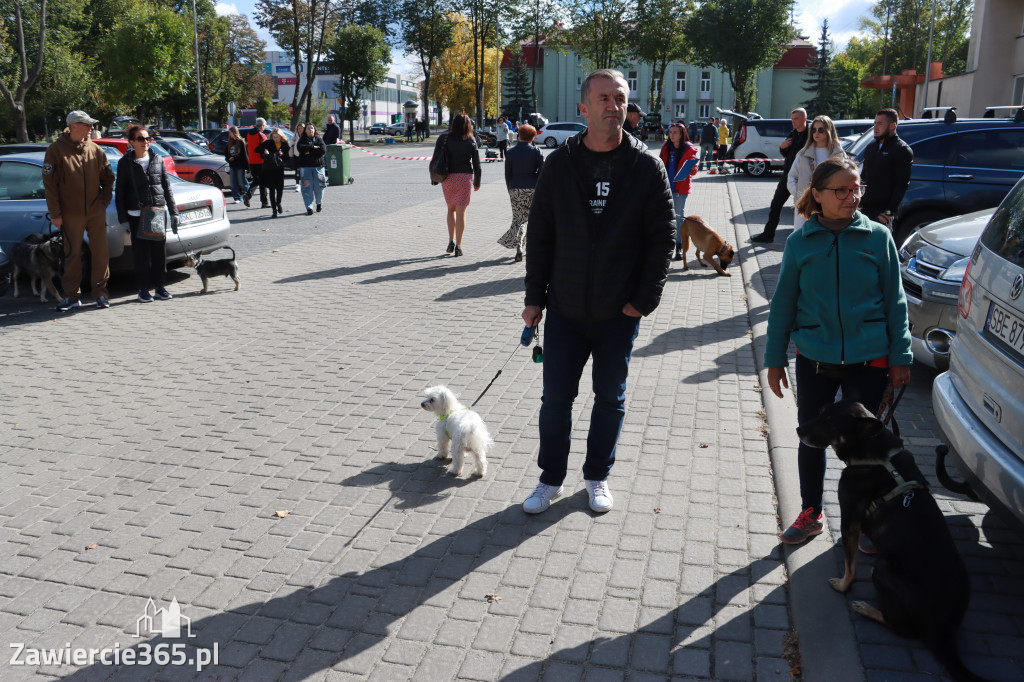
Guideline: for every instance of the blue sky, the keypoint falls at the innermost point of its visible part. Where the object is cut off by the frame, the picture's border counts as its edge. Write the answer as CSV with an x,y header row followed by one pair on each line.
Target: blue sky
x,y
843,17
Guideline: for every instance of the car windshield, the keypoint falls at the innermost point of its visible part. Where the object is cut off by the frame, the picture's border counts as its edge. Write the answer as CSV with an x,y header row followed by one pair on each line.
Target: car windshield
x,y
185,148
1005,233
159,149
857,149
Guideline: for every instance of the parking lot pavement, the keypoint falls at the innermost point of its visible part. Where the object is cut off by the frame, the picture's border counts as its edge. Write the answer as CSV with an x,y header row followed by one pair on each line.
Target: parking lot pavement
x,y
992,636
259,461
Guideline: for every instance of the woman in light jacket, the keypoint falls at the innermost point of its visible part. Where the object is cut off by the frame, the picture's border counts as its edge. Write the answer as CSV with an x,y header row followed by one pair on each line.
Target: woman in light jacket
x,y
822,143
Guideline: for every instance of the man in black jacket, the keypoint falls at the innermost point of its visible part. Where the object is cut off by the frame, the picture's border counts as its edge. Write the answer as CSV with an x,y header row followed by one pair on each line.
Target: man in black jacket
x,y
708,143
332,131
793,143
601,233
886,171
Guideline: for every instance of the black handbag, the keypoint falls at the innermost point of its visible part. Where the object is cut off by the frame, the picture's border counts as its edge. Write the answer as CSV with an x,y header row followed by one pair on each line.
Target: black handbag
x,y
439,164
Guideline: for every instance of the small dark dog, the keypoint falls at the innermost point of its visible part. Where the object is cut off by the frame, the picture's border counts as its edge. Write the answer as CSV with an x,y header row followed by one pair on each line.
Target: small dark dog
x,y
225,267
921,580
40,260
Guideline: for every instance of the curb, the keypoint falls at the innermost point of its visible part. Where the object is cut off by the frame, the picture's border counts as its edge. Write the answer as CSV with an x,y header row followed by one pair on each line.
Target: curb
x,y
821,616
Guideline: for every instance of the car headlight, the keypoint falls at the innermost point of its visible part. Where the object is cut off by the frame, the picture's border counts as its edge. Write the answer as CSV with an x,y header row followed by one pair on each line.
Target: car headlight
x,y
911,246
956,271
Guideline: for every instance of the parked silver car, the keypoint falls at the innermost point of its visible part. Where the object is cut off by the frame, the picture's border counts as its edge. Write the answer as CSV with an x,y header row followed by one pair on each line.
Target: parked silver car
x,y
979,402
932,262
204,222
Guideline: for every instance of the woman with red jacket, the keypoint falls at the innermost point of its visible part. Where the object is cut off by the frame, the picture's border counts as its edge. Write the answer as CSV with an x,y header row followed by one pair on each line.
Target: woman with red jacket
x,y
675,152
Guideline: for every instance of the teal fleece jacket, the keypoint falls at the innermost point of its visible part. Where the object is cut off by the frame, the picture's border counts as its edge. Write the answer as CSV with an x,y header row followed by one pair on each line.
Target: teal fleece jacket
x,y
839,297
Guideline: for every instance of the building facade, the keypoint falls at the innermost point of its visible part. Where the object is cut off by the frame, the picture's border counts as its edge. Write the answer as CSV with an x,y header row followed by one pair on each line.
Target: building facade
x,y
690,92
380,105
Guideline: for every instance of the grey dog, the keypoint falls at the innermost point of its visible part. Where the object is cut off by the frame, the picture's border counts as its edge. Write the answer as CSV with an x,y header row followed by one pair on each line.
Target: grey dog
x,y
40,260
225,267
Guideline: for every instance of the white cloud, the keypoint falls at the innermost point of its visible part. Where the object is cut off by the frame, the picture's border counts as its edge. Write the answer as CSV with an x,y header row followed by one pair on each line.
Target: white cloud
x,y
844,17
223,8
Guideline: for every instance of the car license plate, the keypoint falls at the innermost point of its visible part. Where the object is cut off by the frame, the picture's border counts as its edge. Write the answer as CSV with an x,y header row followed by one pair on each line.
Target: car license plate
x,y
195,215
1006,327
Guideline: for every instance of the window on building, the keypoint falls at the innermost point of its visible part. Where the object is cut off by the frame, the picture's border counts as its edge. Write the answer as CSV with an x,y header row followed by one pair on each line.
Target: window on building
x,y
680,82
657,85
579,60
703,111
579,82
631,79
681,111
705,82
1018,90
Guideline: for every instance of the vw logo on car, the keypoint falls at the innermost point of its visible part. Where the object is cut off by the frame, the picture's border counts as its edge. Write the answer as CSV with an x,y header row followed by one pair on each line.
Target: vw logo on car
x,y
1018,285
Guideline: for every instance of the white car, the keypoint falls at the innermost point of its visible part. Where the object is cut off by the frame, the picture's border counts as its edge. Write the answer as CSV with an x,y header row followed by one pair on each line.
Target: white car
x,y
555,134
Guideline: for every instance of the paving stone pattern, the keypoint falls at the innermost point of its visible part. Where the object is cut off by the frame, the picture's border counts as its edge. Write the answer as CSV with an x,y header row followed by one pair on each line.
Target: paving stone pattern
x,y
992,636
147,448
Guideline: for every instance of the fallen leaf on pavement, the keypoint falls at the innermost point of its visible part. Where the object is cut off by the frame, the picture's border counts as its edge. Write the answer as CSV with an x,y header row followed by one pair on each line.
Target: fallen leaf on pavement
x,y
92,546
703,445
281,513
657,510
491,598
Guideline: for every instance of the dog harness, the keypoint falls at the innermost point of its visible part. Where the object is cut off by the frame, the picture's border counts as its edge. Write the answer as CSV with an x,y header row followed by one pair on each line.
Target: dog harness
x,y
444,418
903,486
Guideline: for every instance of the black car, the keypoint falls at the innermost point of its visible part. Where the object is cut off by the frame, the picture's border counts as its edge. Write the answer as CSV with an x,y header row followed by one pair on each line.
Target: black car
x,y
377,129
962,166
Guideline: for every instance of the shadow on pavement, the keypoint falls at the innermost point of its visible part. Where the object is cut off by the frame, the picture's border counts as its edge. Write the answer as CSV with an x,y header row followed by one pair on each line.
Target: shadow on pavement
x,y
494,288
686,338
339,623
680,641
438,271
359,269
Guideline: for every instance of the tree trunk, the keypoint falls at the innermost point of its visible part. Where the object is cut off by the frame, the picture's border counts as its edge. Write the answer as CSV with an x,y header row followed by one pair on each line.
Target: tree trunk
x,y
16,101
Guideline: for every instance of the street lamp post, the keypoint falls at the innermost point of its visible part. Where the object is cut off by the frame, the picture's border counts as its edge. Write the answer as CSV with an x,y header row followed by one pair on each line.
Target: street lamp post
x,y
199,85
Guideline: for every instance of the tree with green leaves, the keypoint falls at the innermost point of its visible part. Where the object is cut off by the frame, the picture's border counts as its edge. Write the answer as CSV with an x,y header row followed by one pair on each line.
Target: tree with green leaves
x,y
147,55
28,58
482,18
517,95
529,23
598,31
301,28
428,30
822,81
360,55
741,37
898,31
659,37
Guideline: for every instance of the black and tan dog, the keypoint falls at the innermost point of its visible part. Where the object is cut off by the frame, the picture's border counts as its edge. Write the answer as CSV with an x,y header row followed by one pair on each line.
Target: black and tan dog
x,y
920,579
706,241
225,267
39,258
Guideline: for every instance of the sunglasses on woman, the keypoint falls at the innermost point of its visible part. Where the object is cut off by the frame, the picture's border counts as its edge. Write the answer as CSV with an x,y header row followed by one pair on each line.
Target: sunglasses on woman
x,y
143,139
819,130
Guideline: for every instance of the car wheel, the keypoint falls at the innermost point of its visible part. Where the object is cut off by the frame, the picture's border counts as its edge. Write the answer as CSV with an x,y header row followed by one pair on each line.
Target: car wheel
x,y
550,143
756,167
916,220
209,178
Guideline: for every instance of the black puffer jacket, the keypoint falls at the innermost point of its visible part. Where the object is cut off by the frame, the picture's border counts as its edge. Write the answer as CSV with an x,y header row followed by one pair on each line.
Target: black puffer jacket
x,y
586,266
273,156
149,188
311,151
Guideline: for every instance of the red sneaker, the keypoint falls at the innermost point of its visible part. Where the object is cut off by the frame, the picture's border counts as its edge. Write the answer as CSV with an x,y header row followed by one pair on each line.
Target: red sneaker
x,y
806,525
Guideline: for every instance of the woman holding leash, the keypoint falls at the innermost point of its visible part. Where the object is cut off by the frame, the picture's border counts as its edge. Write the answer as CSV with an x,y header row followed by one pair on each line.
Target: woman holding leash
x,y
522,168
237,156
677,151
463,173
273,152
840,300
822,143
311,151
142,184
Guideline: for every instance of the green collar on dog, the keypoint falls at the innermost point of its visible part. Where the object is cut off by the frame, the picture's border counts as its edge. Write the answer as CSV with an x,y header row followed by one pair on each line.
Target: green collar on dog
x,y
444,418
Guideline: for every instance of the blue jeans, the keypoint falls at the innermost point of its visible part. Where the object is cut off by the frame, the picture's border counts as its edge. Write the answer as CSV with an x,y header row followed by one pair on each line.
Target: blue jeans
x,y
814,392
679,201
707,152
311,189
567,346
239,185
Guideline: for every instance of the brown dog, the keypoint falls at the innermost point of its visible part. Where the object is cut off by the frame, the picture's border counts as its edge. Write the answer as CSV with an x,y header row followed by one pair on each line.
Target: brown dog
x,y
706,241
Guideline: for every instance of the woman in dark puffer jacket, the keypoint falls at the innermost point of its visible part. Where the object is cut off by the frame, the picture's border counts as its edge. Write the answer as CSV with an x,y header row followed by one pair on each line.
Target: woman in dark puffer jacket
x,y
142,182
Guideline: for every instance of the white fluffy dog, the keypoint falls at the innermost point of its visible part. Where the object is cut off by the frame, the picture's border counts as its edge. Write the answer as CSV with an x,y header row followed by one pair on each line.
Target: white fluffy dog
x,y
459,430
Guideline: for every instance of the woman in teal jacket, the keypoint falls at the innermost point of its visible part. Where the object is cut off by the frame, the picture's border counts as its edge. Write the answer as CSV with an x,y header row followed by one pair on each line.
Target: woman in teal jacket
x,y
840,300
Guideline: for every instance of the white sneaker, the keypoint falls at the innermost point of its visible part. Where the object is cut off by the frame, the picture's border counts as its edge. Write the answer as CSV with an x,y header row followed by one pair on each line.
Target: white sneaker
x,y
600,497
541,497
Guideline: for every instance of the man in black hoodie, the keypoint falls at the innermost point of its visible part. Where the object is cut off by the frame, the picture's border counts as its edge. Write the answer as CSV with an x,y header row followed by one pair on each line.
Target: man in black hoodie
x,y
887,167
597,257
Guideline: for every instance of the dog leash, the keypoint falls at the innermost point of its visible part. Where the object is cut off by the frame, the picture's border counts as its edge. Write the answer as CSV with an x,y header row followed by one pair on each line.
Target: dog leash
x,y
495,377
537,354
890,416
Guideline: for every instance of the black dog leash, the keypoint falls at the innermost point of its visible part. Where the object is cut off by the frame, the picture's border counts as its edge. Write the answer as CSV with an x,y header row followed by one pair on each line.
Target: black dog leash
x,y
538,356
890,416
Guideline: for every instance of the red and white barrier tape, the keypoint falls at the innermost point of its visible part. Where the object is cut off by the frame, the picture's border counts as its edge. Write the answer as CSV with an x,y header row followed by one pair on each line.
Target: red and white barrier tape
x,y
408,158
